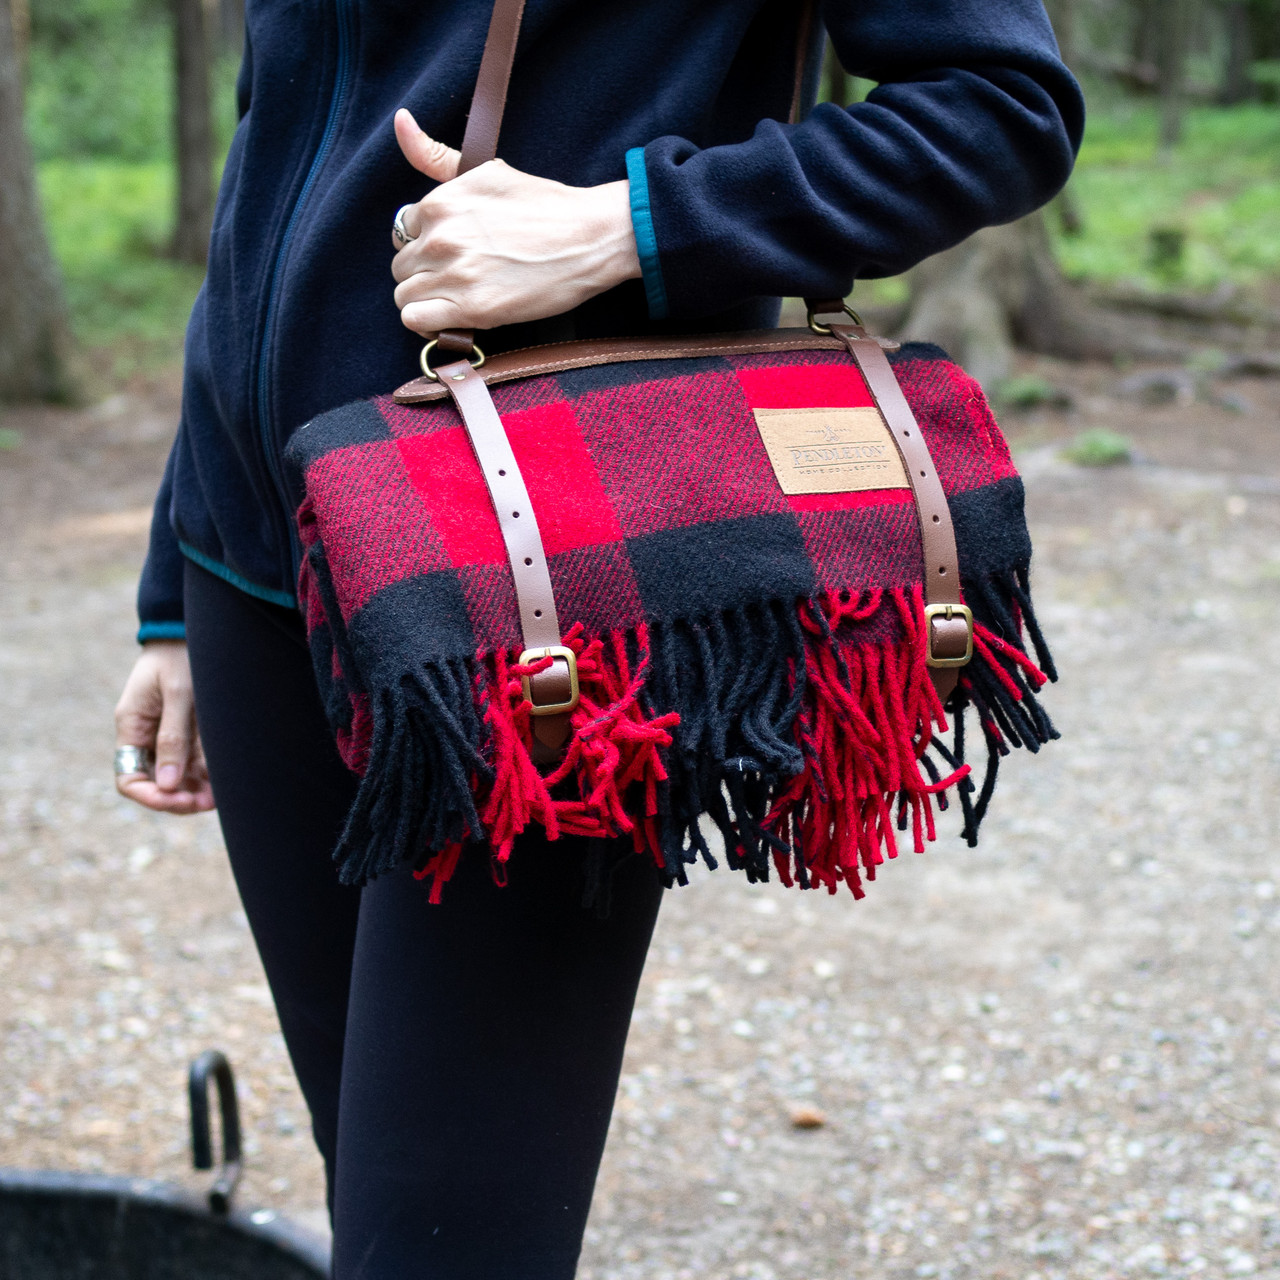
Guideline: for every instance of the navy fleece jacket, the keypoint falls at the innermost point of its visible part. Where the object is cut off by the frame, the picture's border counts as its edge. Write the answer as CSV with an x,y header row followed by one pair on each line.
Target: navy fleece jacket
x,y
975,121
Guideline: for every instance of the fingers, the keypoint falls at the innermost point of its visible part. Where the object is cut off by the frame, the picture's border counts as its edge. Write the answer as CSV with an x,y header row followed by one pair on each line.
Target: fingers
x,y
425,154
157,711
428,317
176,734
186,800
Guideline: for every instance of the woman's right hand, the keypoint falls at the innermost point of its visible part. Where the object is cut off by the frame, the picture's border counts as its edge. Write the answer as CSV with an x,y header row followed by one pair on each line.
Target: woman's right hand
x,y
157,711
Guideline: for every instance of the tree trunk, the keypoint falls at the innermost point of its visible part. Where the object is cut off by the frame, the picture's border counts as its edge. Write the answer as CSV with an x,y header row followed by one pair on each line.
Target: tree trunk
x,y
193,132
231,25
20,12
1002,288
1236,85
1063,15
1146,16
1173,39
35,340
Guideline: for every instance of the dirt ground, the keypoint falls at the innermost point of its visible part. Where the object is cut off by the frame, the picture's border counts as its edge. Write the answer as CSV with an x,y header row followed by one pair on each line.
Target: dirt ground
x,y
1055,1056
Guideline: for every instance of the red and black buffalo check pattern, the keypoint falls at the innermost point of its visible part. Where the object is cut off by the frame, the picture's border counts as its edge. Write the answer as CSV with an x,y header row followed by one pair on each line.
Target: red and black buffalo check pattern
x,y
653,492
659,509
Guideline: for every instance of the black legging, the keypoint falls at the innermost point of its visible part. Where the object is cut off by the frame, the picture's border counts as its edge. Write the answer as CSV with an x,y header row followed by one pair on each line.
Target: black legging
x,y
460,1061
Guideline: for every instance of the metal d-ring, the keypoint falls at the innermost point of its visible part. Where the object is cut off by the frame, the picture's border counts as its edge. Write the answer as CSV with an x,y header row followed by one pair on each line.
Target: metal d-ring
x,y
824,330
431,373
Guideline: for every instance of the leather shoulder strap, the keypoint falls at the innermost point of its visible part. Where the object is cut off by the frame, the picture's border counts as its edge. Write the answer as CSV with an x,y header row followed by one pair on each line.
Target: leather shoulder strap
x,y
489,104
804,38
484,122
489,101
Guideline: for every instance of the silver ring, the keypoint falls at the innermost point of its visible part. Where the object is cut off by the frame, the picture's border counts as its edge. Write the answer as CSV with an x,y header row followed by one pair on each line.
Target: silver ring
x,y
398,228
133,760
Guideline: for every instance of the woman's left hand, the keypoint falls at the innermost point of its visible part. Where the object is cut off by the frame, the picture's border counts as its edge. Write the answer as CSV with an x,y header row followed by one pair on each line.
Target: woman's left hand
x,y
497,246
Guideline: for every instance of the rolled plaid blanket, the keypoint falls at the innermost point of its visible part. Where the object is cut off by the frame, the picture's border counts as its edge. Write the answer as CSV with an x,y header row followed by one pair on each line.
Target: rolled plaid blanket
x,y
744,655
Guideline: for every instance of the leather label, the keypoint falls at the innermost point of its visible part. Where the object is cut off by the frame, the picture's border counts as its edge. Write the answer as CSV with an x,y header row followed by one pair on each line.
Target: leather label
x,y
831,450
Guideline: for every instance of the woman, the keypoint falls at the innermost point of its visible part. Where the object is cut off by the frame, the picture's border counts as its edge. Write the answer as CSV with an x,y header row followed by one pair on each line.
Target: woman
x,y
460,1062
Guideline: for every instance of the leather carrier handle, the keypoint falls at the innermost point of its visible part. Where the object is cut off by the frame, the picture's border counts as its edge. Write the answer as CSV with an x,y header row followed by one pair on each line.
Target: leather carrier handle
x,y
557,686
489,104
553,691
484,121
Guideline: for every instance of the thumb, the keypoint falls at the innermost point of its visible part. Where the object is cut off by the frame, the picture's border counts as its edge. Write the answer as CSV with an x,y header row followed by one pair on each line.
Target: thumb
x,y
425,154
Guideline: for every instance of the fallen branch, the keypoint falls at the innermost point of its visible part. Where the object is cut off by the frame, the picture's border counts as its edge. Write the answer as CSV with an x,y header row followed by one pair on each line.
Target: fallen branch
x,y
1226,304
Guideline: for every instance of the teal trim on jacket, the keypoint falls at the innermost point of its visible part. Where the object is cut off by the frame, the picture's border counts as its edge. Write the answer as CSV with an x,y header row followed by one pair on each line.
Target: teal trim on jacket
x,y
162,631
655,288
271,596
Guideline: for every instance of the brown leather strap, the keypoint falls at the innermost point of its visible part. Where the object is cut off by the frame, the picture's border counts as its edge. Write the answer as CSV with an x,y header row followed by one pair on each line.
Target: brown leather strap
x,y
581,353
538,622
804,37
489,101
489,104
484,123
949,638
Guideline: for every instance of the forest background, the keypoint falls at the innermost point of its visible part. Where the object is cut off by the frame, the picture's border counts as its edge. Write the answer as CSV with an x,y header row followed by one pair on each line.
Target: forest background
x,y
1174,210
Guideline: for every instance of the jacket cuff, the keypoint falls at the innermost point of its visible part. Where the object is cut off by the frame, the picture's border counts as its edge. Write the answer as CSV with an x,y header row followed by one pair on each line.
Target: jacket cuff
x,y
162,631
655,288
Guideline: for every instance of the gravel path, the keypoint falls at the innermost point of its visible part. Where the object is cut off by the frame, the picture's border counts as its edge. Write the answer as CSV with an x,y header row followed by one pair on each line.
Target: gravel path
x,y
1055,1056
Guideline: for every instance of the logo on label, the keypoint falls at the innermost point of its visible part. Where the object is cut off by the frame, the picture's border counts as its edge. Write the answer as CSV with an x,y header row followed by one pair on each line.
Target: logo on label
x,y
831,450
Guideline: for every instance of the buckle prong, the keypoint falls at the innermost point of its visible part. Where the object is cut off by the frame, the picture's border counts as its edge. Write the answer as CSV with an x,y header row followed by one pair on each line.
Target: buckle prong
x,y
571,660
947,612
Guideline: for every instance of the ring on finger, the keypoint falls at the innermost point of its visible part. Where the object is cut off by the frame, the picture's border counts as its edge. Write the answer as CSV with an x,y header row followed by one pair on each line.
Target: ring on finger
x,y
398,228
131,760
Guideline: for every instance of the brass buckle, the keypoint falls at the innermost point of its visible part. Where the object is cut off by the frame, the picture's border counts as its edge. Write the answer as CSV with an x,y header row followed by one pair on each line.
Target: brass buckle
x,y
424,359
551,708
823,330
947,611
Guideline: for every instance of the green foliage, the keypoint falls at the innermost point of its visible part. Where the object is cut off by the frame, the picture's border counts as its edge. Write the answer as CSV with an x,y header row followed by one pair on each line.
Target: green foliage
x,y
10,439
1220,190
1266,75
100,81
110,223
1031,392
1099,447
99,114
99,104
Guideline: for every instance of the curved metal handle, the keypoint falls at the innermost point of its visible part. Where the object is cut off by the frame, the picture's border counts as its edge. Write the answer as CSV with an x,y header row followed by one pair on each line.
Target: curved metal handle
x,y
213,1063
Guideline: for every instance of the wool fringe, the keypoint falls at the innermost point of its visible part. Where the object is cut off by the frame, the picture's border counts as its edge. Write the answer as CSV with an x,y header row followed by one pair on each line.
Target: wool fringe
x,y
810,736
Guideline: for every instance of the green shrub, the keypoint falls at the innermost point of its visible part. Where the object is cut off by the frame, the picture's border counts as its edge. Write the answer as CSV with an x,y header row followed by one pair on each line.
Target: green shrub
x,y
1099,447
1030,392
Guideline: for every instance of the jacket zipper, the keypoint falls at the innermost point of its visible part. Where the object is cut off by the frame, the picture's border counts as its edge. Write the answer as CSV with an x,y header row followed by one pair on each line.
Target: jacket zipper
x,y
336,103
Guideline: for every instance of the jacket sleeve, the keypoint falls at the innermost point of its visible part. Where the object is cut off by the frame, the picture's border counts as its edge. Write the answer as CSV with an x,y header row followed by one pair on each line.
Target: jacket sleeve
x,y
975,121
160,615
